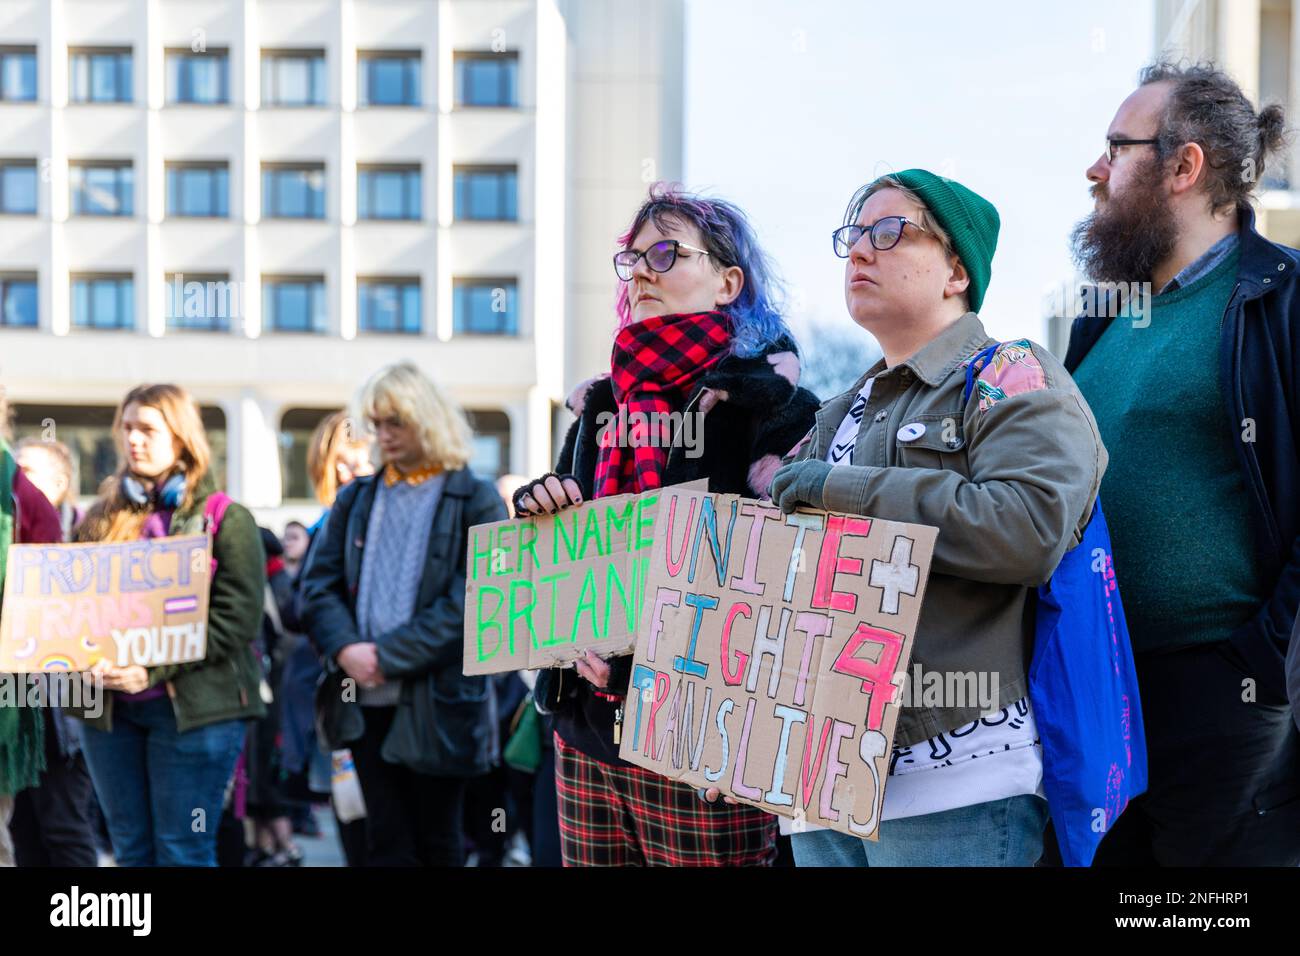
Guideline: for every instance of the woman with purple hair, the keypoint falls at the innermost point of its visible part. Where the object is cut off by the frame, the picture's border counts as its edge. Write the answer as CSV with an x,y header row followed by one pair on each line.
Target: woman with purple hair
x,y
700,344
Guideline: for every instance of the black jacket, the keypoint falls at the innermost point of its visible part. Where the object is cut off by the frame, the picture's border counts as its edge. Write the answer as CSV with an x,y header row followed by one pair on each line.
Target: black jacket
x,y
442,724
763,416
1259,372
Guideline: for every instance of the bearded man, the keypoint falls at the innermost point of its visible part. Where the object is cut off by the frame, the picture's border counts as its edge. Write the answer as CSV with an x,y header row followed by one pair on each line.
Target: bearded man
x,y
1197,396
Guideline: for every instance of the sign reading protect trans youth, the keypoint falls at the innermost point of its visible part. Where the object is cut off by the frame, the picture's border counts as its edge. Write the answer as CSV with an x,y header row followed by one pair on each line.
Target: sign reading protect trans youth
x,y
770,652
131,602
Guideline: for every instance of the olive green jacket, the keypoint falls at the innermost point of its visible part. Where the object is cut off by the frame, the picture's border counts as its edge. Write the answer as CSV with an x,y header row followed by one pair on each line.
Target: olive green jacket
x,y
224,685
1009,478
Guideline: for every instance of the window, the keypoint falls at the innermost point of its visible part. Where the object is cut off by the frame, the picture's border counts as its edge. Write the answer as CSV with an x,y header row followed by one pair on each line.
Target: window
x,y
485,307
388,305
18,186
293,77
102,188
198,189
103,302
388,78
294,304
202,301
198,77
18,300
18,73
297,425
487,79
388,192
293,191
99,75
487,192
490,445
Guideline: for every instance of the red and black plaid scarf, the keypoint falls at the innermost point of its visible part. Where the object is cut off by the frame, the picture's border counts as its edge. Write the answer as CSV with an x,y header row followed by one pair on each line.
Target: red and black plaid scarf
x,y
656,363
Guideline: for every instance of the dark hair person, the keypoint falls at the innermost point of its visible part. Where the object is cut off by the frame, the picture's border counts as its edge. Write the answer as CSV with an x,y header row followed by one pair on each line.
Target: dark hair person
x,y
168,739
700,333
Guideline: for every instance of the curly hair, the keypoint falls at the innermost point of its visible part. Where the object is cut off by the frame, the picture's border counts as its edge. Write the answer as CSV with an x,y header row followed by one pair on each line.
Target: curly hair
x,y
1206,106
728,236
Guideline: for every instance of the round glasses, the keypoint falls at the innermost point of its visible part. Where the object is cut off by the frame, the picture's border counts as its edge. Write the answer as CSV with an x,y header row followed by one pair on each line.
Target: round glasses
x,y
884,233
659,258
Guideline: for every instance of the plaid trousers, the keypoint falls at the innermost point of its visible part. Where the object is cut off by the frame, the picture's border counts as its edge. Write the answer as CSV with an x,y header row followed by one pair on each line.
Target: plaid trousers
x,y
628,816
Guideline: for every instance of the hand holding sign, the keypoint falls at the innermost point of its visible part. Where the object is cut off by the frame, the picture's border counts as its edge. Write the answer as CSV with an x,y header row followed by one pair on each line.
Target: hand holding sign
x,y
549,494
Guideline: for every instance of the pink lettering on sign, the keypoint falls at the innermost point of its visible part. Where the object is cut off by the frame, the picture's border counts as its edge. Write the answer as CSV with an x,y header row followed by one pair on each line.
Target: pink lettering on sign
x,y
729,676
876,675
830,563
675,564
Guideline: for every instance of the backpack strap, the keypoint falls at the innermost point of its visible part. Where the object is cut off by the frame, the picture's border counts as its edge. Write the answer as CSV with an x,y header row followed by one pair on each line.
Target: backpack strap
x,y
975,365
214,509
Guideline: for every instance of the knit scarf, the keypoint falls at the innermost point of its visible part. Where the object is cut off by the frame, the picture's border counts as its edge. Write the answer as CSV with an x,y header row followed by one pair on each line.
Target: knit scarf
x,y
656,363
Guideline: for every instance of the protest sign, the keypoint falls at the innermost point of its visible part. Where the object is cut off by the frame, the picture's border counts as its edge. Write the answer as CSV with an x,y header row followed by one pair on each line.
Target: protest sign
x,y
131,602
539,591
770,650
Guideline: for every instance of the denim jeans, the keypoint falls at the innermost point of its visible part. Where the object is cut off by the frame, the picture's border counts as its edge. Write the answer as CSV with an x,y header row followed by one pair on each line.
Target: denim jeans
x,y
998,833
152,782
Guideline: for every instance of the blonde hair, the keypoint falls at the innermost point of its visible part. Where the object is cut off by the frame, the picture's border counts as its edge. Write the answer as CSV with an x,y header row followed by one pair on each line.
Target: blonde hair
x,y
336,432
113,516
59,453
403,392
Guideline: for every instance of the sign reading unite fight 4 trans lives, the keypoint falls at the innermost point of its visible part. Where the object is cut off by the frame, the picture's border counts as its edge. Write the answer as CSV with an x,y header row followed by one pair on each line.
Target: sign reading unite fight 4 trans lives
x,y
144,602
770,652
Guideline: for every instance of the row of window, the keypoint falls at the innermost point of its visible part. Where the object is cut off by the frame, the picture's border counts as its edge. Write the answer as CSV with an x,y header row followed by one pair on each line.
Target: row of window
x,y
210,301
289,190
87,431
289,77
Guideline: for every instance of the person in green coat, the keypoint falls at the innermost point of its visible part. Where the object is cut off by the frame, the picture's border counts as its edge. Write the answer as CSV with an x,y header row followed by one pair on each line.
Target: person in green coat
x,y
165,747
25,518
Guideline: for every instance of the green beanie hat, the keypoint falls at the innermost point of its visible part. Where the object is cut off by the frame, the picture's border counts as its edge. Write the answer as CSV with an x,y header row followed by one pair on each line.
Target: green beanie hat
x,y
968,218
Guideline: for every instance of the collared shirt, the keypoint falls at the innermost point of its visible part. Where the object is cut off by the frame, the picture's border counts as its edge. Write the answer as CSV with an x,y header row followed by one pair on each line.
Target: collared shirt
x,y
1203,265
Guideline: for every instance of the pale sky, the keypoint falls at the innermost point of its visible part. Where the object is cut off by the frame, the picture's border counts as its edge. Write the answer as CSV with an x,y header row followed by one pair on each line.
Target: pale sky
x,y
793,105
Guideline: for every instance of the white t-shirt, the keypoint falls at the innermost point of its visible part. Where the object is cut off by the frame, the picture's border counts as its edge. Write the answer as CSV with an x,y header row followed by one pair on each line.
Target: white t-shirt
x,y
991,758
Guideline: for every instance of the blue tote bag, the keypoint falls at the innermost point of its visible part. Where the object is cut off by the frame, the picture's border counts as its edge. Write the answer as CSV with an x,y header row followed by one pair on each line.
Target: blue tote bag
x,y
1084,691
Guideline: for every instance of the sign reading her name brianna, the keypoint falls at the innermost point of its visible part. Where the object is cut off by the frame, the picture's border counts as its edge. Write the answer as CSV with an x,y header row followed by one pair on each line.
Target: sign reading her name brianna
x,y
540,591
771,648
66,606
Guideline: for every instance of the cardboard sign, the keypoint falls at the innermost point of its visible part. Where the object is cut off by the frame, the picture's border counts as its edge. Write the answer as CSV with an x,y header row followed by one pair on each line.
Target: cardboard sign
x,y
132,602
771,650
540,591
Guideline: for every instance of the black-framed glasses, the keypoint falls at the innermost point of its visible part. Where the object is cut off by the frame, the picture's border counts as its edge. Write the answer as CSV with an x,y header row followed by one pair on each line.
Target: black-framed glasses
x,y
660,257
1113,145
884,233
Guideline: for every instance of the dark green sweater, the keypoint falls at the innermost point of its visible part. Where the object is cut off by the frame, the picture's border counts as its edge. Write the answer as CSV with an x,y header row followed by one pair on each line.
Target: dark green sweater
x,y
1174,494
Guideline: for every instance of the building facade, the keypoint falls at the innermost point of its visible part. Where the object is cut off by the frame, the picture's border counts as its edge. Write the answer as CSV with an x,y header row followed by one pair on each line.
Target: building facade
x,y
268,200
1258,43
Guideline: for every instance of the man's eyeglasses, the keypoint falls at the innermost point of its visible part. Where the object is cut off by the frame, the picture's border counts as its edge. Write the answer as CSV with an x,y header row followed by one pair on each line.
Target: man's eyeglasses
x,y
884,234
659,258
1113,145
